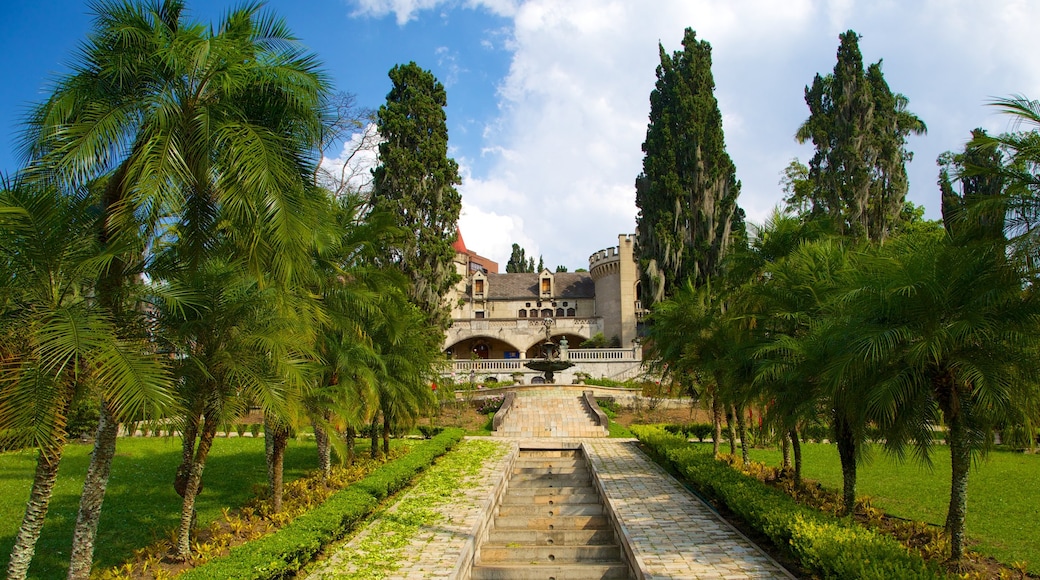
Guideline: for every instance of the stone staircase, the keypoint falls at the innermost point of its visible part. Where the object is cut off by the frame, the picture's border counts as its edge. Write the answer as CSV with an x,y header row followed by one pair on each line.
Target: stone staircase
x,y
551,524
550,413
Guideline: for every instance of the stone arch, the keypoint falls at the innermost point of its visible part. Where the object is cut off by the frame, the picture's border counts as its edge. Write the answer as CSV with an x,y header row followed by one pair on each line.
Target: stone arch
x,y
469,346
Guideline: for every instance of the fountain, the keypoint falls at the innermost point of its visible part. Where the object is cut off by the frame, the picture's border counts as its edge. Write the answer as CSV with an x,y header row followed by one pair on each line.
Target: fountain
x,y
553,359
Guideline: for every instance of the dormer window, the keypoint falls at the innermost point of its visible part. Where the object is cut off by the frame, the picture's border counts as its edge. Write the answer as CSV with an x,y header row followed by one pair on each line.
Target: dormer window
x,y
479,286
545,285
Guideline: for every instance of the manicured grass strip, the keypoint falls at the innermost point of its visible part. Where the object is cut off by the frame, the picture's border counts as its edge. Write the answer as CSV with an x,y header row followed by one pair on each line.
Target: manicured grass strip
x,y
140,504
1003,494
286,551
827,546
379,552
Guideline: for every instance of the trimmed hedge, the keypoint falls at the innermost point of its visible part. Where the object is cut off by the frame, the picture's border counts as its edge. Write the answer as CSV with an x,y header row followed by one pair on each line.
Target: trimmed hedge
x,y
827,546
285,552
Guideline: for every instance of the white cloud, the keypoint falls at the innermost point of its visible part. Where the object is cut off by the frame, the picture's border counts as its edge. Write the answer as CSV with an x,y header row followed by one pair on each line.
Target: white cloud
x,y
565,149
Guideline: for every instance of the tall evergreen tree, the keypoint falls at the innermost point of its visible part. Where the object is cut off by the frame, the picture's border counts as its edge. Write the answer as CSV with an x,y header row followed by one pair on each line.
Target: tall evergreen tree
x,y
416,180
687,191
518,262
859,128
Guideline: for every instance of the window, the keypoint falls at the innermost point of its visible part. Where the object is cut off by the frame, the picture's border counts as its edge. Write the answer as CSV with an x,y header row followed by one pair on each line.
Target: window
x,y
570,312
528,305
478,314
534,313
478,286
521,314
547,313
559,312
565,304
546,286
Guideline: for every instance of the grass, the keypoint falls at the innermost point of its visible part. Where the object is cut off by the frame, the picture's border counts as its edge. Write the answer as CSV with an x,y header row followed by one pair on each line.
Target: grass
x,y
140,504
1003,494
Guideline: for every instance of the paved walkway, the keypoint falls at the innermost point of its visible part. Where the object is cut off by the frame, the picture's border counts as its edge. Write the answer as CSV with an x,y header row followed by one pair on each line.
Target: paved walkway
x,y
672,534
550,412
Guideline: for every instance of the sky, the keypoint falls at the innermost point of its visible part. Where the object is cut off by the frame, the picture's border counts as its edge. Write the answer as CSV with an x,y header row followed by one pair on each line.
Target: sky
x,y
548,100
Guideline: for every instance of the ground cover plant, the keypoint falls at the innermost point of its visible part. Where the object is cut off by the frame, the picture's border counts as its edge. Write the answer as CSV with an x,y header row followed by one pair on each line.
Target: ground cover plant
x,y
141,504
377,554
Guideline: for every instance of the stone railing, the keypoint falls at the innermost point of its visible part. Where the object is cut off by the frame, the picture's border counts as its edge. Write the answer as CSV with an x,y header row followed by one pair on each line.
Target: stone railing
x,y
605,354
504,364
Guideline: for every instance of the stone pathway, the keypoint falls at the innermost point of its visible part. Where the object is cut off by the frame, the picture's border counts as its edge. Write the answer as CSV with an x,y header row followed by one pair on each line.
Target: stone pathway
x,y
672,533
550,412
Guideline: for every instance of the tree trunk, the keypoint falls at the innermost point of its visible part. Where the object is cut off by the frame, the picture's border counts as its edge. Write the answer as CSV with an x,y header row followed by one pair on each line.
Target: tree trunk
x,y
716,422
276,434
350,436
843,436
374,436
191,433
93,497
785,453
742,425
732,429
960,460
182,550
321,439
386,434
796,446
35,513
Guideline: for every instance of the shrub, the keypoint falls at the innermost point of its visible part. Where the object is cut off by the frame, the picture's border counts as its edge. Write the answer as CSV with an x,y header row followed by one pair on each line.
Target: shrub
x,y
285,552
827,546
429,432
489,404
240,428
254,429
701,431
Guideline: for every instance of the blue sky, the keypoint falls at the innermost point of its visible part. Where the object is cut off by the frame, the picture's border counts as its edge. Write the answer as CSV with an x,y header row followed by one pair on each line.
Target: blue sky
x,y
548,99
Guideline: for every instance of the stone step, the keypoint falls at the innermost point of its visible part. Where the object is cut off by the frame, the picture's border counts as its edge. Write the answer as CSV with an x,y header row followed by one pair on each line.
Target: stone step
x,y
533,454
580,470
493,554
534,499
550,572
550,463
555,491
551,511
549,479
553,538
545,523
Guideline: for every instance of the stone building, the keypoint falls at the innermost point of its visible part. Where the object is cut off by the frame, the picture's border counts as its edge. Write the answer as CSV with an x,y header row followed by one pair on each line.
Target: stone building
x,y
497,319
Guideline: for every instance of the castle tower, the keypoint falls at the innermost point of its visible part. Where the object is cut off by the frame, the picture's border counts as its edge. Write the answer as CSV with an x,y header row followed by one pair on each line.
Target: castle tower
x,y
614,272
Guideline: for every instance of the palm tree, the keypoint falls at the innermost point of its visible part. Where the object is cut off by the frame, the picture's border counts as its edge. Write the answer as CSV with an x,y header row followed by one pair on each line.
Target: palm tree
x,y
186,123
56,344
236,345
948,330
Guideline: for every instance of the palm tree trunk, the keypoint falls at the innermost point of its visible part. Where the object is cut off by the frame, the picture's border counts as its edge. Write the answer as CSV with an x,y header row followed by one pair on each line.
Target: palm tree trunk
x,y
847,452
35,513
796,447
191,433
94,487
182,550
276,435
785,453
374,436
732,429
742,425
351,435
716,422
386,434
321,439
960,459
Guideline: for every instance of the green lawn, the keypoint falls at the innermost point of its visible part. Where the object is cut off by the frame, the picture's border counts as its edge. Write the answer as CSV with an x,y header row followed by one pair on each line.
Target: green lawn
x,y
1003,494
140,505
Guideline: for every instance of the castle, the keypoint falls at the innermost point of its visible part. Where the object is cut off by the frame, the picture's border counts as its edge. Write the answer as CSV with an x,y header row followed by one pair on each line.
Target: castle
x,y
497,319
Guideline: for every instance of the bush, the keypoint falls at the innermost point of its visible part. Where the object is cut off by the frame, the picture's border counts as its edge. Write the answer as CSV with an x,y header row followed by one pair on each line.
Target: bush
x,y
285,552
254,429
701,431
83,420
489,404
827,546
429,432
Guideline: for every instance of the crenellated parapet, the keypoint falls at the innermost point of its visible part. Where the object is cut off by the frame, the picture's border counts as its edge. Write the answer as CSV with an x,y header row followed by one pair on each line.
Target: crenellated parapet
x,y
605,262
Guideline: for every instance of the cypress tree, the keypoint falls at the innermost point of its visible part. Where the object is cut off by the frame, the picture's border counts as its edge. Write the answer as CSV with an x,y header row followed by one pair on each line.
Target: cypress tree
x,y
687,191
859,128
415,182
